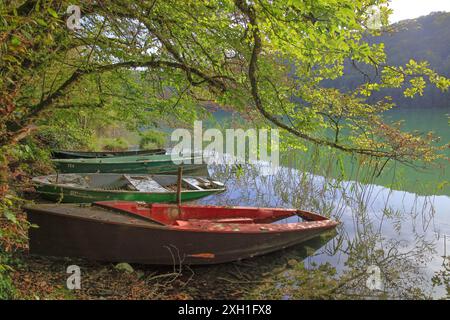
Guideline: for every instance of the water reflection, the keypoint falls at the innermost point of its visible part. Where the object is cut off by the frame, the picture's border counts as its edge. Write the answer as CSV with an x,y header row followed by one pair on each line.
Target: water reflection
x,y
399,233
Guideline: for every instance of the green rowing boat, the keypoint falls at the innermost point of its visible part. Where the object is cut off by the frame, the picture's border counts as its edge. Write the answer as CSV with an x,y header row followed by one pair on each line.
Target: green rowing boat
x,y
93,187
153,164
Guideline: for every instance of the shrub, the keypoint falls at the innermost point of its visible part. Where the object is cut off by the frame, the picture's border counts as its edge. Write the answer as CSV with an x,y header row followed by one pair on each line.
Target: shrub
x,y
152,139
116,144
7,290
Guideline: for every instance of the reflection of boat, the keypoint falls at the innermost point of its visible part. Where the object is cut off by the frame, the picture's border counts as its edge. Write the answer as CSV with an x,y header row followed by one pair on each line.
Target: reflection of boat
x,y
65,154
163,164
91,187
166,234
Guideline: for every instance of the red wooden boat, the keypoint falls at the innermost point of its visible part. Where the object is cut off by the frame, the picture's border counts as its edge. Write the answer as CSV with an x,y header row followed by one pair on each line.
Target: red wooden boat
x,y
166,234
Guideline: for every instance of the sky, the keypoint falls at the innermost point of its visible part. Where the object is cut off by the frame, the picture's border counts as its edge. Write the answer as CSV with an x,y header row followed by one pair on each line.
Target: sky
x,y
410,9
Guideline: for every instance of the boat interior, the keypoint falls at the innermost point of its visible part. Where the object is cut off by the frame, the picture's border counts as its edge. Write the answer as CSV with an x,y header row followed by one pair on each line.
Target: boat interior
x,y
184,215
128,182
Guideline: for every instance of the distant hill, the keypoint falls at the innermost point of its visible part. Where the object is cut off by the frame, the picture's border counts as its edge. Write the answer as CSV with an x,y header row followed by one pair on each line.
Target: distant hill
x,y
425,38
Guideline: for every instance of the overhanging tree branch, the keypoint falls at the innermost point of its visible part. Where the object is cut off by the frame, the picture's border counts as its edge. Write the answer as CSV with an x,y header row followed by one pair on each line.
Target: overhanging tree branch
x,y
36,110
250,13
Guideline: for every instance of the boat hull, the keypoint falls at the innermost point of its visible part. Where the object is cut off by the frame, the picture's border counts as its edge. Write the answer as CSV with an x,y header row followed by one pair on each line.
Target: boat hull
x,y
60,154
160,167
78,195
59,235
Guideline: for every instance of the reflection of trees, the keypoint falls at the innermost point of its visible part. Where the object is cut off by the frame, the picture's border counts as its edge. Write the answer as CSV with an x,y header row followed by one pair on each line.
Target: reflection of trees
x,y
442,277
370,235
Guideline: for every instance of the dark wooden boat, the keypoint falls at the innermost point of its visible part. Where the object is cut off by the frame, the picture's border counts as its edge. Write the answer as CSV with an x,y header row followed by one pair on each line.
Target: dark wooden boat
x,y
67,154
152,164
92,187
166,234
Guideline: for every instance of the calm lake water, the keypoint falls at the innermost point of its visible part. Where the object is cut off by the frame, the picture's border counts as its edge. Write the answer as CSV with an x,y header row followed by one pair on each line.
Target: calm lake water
x,y
398,222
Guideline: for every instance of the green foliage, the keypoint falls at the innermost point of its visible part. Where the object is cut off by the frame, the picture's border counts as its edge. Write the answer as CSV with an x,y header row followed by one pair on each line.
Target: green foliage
x,y
442,277
7,290
152,139
176,62
12,230
401,46
114,144
152,64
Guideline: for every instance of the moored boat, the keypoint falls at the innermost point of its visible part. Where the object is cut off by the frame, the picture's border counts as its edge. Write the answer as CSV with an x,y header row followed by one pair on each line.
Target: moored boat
x,y
91,187
69,154
162,164
166,234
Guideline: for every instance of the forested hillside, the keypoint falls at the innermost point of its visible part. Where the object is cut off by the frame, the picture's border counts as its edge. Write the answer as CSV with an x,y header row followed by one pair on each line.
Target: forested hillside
x,y
425,38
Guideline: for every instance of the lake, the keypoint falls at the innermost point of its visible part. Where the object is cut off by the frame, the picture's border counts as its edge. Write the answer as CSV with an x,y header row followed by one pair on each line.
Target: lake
x,y
395,227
